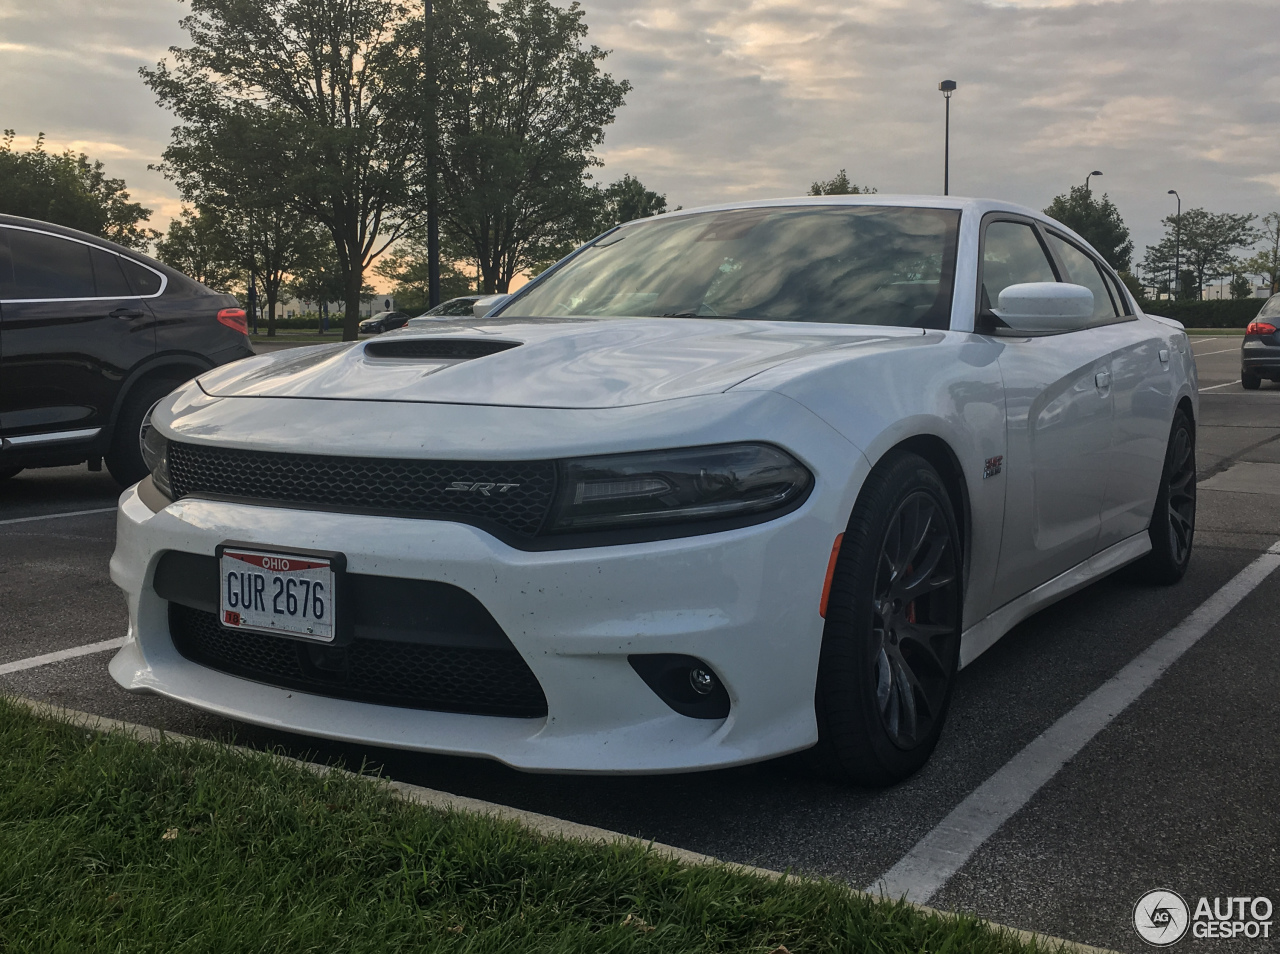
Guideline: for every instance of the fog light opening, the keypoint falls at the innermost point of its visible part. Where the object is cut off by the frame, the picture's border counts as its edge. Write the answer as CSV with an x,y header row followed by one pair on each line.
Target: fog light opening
x,y
685,683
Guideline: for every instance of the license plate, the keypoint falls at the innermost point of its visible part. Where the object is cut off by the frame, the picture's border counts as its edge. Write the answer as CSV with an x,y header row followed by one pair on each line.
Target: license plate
x,y
288,594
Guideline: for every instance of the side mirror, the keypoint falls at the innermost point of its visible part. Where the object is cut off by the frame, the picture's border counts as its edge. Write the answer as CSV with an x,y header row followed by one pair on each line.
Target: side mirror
x,y
483,306
1045,306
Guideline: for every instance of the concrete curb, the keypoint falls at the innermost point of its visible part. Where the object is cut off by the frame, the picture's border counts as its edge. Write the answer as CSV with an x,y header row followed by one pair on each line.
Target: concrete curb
x,y
542,824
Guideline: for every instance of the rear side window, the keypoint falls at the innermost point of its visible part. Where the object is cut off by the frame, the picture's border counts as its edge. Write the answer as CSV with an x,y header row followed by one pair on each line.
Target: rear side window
x,y
6,266
1011,255
1270,310
1082,270
108,278
142,279
46,266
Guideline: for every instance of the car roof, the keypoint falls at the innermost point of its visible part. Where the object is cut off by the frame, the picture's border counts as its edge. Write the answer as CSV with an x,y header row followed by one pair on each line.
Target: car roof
x,y
42,226
962,203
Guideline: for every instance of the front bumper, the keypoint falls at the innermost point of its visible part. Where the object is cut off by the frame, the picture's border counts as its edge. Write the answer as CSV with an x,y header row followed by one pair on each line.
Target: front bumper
x,y
744,601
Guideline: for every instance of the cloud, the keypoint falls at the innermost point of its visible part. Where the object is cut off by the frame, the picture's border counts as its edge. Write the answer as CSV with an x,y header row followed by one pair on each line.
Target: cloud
x,y
750,98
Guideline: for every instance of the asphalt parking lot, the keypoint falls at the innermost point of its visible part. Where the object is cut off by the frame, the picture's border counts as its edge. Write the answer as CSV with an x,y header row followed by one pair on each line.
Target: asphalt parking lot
x,y
1180,790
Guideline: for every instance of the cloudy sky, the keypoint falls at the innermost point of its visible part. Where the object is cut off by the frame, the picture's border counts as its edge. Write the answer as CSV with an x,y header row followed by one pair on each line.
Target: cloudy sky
x,y
755,98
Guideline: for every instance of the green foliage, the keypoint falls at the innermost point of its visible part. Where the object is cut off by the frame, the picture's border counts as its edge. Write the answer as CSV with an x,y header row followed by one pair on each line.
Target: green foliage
x,y
839,185
1097,221
1211,313
110,844
406,266
198,245
302,110
628,199
69,189
1266,263
1203,243
1241,287
522,106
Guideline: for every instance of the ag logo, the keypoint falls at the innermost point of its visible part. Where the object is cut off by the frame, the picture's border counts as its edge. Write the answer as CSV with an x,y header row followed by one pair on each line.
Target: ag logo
x,y
1161,917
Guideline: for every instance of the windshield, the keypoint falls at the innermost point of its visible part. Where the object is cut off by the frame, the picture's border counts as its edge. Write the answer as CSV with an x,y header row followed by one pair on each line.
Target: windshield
x,y
871,265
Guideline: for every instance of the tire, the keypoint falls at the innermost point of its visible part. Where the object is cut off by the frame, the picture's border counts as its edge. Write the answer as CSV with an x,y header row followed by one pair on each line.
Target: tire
x,y
1173,520
890,628
7,472
124,459
1249,381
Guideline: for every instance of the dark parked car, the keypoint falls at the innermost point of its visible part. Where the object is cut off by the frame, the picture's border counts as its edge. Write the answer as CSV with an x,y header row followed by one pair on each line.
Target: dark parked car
x,y
453,308
92,335
383,321
1260,350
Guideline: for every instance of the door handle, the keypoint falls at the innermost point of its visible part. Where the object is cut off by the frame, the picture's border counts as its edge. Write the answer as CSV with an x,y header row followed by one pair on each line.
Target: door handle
x,y
1103,380
126,313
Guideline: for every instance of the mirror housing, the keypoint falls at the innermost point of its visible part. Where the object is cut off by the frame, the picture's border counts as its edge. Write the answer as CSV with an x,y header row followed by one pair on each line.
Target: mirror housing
x,y
1045,306
483,306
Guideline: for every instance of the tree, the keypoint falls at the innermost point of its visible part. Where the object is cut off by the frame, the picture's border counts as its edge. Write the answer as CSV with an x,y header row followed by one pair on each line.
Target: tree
x,y
1203,245
839,185
315,105
628,199
521,109
70,189
1241,287
1097,221
1267,262
200,246
407,267
272,244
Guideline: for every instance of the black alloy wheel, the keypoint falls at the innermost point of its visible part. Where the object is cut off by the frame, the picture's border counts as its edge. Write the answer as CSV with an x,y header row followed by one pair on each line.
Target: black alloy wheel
x,y
124,458
1173,519
892,640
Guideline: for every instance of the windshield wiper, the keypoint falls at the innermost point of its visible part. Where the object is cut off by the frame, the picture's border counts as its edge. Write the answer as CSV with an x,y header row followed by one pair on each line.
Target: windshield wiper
x,y
694,314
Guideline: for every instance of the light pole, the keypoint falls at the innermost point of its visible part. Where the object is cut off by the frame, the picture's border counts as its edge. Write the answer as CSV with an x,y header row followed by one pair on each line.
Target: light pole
x,y
1095,172
1177,245
948,87
433,201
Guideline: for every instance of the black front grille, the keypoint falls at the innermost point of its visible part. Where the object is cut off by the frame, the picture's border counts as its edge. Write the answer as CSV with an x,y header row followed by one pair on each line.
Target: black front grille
x,y
494,682
512,496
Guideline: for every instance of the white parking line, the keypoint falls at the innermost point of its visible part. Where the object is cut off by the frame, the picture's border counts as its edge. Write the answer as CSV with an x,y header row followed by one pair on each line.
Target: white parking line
x,y
55,516
1215,387
944,851
35,662
1205,354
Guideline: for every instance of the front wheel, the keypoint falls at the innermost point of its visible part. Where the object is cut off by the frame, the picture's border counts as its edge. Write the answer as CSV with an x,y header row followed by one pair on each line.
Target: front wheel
x,y
1173,521
892,640
124,459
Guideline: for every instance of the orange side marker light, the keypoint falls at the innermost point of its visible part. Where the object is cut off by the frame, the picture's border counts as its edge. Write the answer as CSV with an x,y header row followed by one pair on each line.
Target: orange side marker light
x,y
831,571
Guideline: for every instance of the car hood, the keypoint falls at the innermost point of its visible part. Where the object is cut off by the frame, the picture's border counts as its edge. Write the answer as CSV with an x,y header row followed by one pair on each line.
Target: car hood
x,y
578,363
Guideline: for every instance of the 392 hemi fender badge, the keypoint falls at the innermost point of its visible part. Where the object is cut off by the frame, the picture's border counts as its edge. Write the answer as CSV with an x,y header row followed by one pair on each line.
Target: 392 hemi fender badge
x,y
993,466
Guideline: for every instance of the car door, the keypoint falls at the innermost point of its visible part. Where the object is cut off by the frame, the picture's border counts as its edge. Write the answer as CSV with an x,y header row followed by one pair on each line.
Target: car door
x,y
1058,423
71,330
1142,394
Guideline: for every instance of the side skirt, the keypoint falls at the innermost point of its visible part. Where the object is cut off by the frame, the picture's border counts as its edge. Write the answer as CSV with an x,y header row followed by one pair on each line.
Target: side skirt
x,y
982,635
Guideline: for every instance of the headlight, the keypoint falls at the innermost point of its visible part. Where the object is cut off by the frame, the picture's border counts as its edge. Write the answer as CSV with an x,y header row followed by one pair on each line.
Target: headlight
x,y
675,486
155,454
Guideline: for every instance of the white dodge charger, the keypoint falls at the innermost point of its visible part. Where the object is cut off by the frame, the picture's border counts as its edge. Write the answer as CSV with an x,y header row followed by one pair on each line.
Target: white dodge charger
x,y
723,484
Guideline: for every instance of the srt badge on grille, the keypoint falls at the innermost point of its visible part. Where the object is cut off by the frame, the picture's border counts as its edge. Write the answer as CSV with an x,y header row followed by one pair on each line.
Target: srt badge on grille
x,y
481,487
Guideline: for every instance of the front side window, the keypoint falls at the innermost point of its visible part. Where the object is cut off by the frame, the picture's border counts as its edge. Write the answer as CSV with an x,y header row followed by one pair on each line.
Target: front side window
x,y
1011,255
873,265
1082,270
46,266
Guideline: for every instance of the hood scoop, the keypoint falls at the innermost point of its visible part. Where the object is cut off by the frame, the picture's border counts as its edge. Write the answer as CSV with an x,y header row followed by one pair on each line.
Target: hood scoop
x,y
437,349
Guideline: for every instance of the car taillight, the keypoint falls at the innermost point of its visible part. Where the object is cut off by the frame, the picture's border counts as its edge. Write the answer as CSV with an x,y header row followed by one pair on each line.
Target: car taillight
x,y
235,319
1260,328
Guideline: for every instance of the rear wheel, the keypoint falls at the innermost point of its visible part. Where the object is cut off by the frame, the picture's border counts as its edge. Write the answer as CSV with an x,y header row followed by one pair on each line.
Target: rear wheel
x,y
892,639
1250,381
124,459
7,472
1173,521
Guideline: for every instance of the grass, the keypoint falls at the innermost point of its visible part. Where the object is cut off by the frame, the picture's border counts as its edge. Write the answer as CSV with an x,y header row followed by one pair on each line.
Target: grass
x,y
111,844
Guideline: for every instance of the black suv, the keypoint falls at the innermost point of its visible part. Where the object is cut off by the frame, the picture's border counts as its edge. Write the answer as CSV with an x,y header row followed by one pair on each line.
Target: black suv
x,y
92,335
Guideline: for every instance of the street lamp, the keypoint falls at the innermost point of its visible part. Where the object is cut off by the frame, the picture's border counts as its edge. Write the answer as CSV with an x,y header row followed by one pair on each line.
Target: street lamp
x,y
948,87
1177,245
433,181
1095,172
